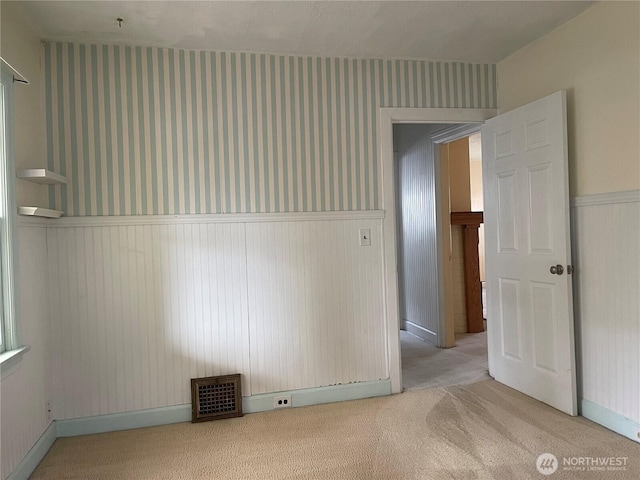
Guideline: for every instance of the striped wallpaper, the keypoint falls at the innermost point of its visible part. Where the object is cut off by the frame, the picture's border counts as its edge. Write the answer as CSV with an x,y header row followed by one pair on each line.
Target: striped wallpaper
x,y
140,130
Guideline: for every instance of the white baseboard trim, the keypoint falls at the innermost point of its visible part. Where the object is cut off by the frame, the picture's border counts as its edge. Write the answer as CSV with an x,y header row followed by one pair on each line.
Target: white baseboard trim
x,y
611,420
31,460
421,332
124,421
320,395
182,413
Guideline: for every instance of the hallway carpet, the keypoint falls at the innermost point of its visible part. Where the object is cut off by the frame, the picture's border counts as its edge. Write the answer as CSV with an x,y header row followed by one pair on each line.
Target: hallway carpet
x,y
479,431
426,366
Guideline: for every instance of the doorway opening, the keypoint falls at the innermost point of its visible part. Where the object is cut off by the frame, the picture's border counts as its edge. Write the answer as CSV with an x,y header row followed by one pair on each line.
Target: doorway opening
x,y
526,198
438,175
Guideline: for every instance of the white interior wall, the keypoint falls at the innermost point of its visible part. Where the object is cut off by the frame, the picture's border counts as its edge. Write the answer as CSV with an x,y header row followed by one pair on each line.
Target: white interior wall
x,y
595,57
477,198
607,303
25,387
417,242
315,303
21,47
140,309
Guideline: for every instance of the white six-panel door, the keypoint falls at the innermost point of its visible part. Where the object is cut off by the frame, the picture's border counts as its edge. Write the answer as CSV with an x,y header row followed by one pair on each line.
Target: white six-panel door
x,y
529,308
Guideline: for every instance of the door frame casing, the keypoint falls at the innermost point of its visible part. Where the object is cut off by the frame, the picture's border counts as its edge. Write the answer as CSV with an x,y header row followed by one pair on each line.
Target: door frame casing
x,y
387,117
446,327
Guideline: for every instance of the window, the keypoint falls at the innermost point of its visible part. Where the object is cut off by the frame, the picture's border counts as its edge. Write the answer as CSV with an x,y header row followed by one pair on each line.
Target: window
x,y
8,315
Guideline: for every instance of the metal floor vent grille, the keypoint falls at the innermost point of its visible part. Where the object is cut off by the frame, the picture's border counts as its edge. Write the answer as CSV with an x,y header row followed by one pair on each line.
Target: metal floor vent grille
x,y
213,398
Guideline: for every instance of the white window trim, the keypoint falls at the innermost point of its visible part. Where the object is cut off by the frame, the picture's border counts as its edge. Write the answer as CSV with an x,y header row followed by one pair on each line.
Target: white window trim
x,y
11,358
13,349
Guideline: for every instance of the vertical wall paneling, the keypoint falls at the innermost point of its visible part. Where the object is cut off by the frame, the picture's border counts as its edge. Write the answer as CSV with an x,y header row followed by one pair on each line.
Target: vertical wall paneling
x,y
418,240
315,304
142,130
26,386
607,261
140,308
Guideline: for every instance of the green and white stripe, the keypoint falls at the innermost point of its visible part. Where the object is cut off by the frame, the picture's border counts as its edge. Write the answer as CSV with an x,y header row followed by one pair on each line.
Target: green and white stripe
x,y
141,130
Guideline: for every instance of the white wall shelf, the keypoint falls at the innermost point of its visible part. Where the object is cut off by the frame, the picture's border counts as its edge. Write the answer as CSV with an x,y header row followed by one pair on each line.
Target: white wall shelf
x,y
39,212
42,176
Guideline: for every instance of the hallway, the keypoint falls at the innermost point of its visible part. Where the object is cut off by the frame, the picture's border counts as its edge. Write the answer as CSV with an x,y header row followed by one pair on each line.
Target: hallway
x,y
426,366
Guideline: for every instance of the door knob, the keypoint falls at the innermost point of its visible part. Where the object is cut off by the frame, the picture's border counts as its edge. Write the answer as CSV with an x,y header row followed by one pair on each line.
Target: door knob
x,y
557,269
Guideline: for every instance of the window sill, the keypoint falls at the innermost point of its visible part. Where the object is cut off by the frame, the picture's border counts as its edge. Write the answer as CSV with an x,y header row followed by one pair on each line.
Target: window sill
x,y
11,358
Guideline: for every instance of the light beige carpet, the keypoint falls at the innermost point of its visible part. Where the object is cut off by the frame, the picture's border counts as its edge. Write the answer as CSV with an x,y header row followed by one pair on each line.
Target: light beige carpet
x,y
426,366
479,431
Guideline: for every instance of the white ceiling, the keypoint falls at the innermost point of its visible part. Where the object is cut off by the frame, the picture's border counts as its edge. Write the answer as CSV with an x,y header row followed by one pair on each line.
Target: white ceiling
x,y
470,31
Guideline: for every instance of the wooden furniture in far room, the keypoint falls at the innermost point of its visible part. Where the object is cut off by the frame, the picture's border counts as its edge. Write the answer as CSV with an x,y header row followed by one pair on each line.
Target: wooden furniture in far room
x,y
470,222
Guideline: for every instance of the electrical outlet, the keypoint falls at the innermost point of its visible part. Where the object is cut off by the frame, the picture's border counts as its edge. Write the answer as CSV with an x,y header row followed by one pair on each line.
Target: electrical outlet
x,y
47,407
283,401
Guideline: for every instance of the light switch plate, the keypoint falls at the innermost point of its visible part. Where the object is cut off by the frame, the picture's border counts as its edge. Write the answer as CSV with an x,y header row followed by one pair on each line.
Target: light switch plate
x,y
365,237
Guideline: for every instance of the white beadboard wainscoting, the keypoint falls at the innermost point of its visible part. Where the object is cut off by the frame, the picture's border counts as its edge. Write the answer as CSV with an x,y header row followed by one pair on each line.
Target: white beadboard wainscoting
x,y
315,302
606,256
417,237
142,304
121,311
139,310
26,385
